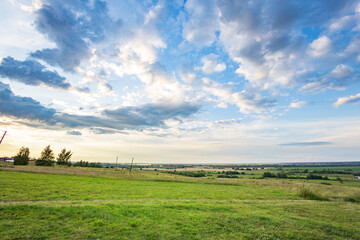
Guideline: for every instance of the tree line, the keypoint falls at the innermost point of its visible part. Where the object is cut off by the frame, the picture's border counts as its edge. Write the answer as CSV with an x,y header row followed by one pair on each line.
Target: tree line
x,y
284,175
47,157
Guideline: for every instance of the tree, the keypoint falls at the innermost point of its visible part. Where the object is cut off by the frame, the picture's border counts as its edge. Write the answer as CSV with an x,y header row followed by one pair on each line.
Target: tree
x,y
22,158
64,157
281,174
47,157
268,174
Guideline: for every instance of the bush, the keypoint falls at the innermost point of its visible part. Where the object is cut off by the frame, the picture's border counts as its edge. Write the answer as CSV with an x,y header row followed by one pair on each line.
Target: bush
x,y
325,183
87,164
313,176
230,172
189,174
40,162
307,193
281,175
350,199
193,174
22,158
226,176
339,179
268,174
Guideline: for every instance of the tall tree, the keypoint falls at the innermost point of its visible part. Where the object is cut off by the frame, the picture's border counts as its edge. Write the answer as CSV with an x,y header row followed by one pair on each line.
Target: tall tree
x,y
64,157
47,157
22,158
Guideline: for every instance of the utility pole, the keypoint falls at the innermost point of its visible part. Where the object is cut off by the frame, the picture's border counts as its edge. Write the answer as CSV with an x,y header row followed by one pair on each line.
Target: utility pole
x,y
132,160
117,157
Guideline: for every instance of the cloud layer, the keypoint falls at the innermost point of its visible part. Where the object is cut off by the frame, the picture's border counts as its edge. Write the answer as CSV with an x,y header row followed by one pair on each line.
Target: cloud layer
x,y
72,26
347,100
306,144
31,72
136,118
23,107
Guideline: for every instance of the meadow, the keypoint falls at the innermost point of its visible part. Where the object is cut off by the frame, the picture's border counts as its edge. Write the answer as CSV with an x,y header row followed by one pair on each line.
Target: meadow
x,y
83,203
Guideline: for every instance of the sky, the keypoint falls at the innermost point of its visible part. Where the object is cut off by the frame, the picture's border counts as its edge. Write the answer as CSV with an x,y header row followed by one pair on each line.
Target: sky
x,y
216,81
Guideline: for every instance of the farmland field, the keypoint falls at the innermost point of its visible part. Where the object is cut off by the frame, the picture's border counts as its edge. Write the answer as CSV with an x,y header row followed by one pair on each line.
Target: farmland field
x,y
83,203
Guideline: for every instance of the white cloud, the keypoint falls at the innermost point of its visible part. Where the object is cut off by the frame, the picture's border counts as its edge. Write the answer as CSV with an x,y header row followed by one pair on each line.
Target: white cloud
x,y
138,56
346,100
313,87
342,71
343,23
320,47
338,78
201,23
246,100
211,64
357,10
20,33
268,54
298,104
353,48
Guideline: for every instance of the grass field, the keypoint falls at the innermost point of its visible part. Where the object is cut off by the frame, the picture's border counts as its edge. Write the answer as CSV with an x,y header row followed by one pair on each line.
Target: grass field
x,y
70,203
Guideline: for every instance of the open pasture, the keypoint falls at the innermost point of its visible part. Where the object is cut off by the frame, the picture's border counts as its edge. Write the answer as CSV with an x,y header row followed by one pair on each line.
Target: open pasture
x,y
59,203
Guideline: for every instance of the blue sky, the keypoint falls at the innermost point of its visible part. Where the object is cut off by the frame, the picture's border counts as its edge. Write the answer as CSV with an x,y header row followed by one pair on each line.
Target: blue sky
x,y
182,81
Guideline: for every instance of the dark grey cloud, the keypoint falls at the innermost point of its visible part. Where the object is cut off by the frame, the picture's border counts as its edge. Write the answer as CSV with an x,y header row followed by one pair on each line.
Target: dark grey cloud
x,y
151,114
257,18
252,52
318,12
31,72
23,107
103,131
72,26
74,133
279,14
141,117
111,121
277,41
253,30
306,144
80,121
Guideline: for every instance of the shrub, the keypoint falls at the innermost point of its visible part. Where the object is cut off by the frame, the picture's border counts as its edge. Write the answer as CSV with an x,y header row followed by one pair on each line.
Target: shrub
x,y
268,174
189,174
313,176
22,158
40,162
231,172
306,193
339,179
226,176
325,183
192,174
281,175
87,164
350,199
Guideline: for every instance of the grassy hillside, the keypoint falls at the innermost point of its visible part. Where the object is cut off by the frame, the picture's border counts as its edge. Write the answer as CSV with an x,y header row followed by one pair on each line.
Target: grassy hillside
x,y
108,204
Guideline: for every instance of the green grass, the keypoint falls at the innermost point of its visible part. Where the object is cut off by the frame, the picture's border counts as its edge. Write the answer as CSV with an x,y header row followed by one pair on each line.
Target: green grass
x,y
306,193
150,206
